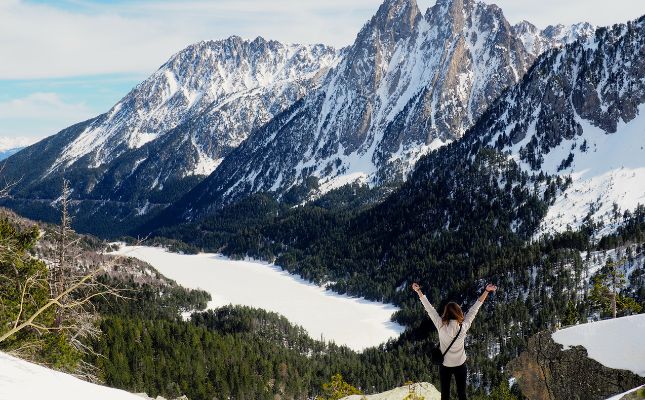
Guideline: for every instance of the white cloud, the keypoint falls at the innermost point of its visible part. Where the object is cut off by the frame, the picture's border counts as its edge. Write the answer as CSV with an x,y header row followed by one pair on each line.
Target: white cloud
x,y
40,41
551,12
8,143
38,114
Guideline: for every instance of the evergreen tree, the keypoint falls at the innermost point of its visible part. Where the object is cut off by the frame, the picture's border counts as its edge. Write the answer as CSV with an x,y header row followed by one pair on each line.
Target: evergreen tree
x,y
605,293
337,388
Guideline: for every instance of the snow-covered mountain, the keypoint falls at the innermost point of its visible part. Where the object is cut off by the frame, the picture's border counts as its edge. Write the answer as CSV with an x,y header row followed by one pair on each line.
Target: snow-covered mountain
x,y
409,84
211,95
537,41
173,128
265,116
580,113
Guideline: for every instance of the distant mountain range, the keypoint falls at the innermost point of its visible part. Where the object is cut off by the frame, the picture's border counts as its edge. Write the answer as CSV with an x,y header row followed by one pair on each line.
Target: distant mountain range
x,y
169,132
223,120
9,152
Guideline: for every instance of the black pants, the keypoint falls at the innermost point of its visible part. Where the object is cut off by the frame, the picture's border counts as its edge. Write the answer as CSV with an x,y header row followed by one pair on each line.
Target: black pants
x,y
445,376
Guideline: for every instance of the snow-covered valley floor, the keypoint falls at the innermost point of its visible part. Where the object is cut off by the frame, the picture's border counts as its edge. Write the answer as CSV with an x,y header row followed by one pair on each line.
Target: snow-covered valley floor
x,y
356,323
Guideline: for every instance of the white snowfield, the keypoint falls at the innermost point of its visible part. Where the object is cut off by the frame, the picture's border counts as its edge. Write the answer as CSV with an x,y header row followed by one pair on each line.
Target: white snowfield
x,y
423,389
615,343
22,380
356,323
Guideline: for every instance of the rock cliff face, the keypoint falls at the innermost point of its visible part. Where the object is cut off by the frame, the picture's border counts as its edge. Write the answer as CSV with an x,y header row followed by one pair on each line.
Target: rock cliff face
x,y
546,372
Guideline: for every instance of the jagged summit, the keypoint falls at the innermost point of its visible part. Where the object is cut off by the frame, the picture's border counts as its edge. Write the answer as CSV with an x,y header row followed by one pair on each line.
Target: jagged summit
x,y
538,41
400,15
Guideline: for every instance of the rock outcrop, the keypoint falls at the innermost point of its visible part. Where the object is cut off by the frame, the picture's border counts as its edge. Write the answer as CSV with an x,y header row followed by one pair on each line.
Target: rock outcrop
x,y
415,391
547,372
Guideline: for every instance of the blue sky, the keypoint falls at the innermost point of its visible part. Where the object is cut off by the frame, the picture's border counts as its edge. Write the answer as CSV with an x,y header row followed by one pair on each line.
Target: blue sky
x,y
64,61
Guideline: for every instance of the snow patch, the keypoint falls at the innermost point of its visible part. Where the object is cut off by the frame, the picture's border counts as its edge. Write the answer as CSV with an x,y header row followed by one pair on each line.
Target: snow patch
x,y
615,343
610,171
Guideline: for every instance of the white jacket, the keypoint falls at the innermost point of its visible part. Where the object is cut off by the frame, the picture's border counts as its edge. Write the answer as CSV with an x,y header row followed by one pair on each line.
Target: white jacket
x,y
457,354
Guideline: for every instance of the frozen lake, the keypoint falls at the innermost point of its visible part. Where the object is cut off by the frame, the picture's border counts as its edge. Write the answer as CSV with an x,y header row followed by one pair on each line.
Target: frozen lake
x,y
354,322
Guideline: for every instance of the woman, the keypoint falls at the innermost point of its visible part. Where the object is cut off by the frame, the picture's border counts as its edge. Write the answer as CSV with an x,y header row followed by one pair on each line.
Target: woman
x,y
454,362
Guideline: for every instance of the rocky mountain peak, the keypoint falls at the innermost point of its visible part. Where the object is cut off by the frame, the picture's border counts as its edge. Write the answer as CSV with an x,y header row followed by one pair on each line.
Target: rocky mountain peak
x,y
394,20
403,10
570,33
524,27
454,6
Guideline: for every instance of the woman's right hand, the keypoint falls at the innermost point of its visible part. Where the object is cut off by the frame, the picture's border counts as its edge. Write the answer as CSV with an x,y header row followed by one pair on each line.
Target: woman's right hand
x,y
416,287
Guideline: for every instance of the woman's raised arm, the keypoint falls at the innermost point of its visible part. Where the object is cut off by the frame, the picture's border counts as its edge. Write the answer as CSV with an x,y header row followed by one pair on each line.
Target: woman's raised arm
x,y
489,288
432,313
472,312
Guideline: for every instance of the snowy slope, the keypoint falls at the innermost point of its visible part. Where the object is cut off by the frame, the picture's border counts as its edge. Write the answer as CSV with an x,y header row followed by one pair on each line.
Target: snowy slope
x,y
424,389
20,379
621,396
611,173
579,113
616,343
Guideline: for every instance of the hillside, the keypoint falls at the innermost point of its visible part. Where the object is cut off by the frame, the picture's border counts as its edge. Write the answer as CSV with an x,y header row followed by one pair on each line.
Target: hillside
x,y
473,210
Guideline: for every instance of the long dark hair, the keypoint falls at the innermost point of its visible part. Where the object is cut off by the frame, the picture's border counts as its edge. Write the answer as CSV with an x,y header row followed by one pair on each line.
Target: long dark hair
x,y
452,311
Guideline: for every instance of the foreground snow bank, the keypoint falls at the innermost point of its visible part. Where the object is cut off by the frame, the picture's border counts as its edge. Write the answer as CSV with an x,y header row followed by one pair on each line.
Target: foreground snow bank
x,y
615,343
356,323
620,396
423,389
20,379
